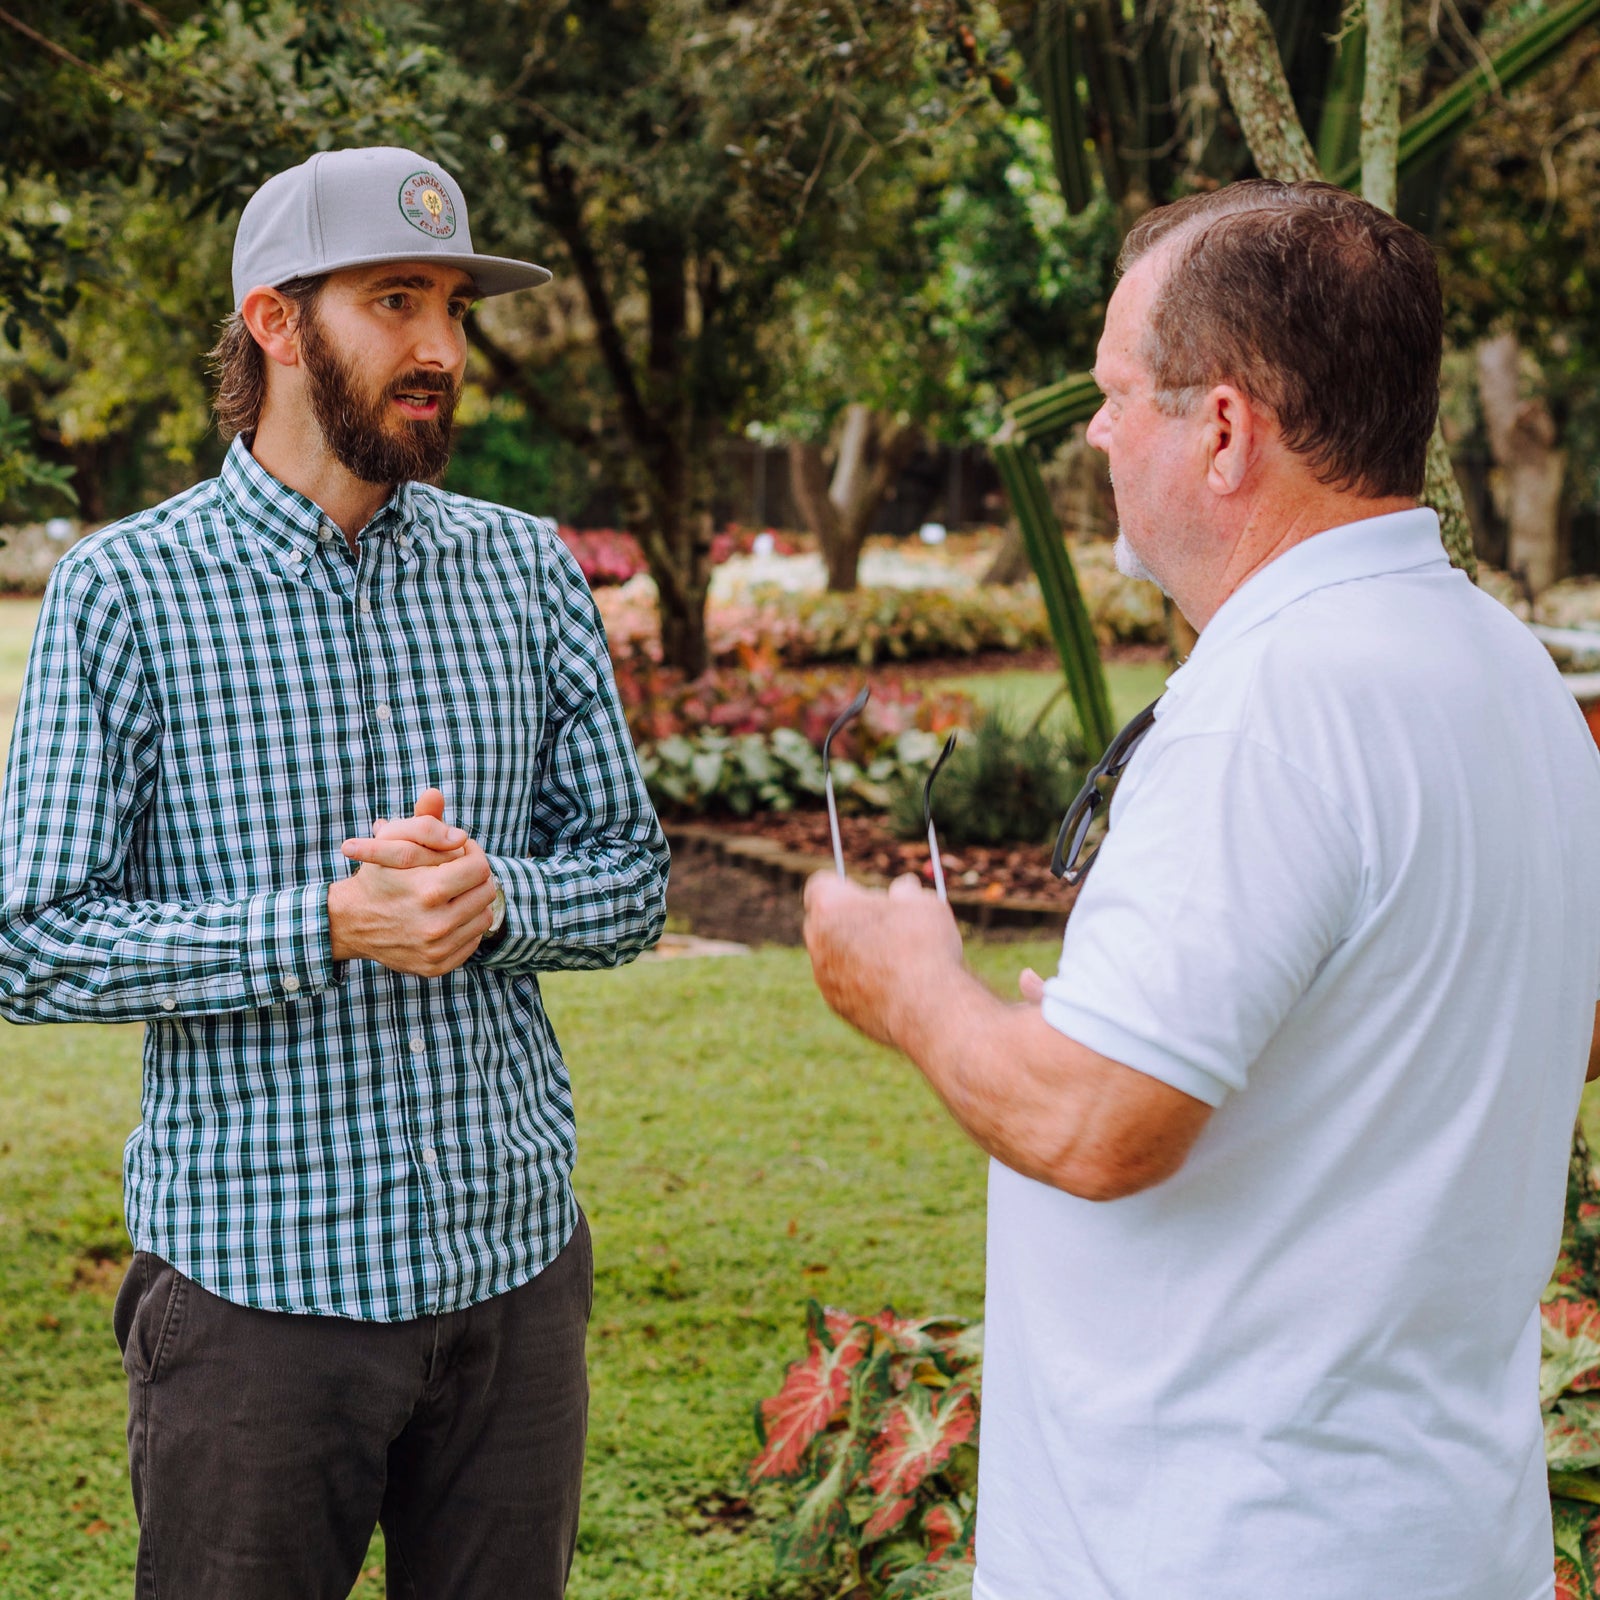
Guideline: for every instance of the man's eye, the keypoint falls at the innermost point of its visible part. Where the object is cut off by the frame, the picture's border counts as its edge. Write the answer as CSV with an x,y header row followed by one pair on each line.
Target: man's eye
x,y
395,302
459,309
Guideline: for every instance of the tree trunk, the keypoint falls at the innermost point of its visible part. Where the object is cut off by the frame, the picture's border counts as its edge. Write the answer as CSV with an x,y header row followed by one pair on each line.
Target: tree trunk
x,y
1380,105
1529,471
869,455
1010,564
1241,42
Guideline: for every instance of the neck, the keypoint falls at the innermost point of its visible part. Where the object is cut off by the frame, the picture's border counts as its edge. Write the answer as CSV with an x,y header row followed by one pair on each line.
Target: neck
x,y
1272,527
290,446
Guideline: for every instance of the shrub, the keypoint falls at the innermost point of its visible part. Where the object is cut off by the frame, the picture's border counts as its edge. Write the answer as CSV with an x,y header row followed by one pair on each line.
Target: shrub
x,y
876,1429
751,739
1001,785
772,771
605,555
1569,1386
872,625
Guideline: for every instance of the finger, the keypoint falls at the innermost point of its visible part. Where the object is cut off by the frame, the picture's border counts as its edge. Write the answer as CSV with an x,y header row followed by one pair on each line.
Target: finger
x,y
906,887
424,830
457,878
401,854
430,803
1031,986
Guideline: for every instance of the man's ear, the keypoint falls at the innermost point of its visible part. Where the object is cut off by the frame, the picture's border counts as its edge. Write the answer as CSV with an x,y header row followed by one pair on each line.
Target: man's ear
x,y
1232,436
274,323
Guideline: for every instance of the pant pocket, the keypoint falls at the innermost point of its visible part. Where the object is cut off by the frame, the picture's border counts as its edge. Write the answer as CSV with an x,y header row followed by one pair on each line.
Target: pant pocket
x,y
148,1315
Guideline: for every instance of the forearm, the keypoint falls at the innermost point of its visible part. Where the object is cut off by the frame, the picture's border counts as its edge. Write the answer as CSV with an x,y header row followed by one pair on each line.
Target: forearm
x,y
598,904
95,958
1033,1099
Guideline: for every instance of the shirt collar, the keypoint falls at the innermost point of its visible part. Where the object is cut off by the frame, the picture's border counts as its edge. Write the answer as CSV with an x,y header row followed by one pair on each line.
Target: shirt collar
x,y
286,521
1401,541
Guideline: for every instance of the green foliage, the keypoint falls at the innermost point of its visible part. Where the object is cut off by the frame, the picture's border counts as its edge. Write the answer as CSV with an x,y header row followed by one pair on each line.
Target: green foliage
x,y
25,480
505,457
1003,784
870,625
708,771
876,1431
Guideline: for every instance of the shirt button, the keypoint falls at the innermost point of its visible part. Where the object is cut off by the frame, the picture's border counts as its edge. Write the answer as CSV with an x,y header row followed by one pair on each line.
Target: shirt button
x,y
296,558
291,984
383,713
169,1002
430,1157
326,532
364,604
417,1046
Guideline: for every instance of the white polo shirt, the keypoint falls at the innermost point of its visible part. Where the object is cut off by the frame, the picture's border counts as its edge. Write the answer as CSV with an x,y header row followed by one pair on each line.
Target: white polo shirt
x,y
1350,897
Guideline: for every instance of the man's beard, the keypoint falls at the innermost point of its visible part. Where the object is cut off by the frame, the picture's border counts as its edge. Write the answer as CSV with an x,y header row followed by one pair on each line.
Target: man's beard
x,y
357,426
1129,564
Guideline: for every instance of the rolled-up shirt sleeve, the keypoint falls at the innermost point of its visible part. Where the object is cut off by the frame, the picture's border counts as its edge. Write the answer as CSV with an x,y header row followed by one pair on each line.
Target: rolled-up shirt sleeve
x,y
1226,881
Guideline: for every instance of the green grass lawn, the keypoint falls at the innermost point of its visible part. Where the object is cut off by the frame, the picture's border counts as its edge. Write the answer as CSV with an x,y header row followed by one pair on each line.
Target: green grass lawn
x,y
741,1150
1132,685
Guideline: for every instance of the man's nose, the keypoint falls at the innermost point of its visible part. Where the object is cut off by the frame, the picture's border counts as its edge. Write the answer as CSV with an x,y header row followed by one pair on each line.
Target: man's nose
x,y
1098,432
440,342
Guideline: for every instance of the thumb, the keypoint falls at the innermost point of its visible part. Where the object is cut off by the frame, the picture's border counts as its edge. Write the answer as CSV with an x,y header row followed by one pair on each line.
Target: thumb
x,y
1031,986
430,803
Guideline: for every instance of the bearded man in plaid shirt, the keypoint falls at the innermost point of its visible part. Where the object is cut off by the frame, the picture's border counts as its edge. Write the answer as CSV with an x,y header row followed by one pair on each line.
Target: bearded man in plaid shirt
x,y
361,1282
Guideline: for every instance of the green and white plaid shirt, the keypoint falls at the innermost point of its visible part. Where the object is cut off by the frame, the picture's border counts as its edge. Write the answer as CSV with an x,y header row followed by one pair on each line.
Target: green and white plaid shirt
x,y
218,696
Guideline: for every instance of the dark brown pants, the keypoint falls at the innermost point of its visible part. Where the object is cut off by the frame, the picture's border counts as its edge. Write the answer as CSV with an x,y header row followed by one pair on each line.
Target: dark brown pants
x,y
264,1447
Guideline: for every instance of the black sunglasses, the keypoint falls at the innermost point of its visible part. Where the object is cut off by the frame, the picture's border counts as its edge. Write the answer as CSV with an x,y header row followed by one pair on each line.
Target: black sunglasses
x,y
1065,860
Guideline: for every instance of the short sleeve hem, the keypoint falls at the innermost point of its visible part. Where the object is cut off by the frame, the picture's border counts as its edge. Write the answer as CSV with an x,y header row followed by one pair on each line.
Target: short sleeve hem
x,y
1118,1044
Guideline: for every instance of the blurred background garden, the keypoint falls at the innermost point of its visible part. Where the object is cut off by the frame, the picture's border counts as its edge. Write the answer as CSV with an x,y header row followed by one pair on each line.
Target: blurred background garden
x,y
806,400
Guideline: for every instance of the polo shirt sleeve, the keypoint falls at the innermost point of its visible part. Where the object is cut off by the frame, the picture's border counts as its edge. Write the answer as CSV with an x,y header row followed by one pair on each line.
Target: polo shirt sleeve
x,y
1227,879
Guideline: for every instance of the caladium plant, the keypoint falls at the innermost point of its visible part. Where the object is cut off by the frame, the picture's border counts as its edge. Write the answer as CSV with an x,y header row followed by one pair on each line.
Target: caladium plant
x,y
875,1428
1569,1386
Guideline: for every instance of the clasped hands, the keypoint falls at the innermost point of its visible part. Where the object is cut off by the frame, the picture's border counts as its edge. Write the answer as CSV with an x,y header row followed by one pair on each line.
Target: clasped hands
x,y
421,900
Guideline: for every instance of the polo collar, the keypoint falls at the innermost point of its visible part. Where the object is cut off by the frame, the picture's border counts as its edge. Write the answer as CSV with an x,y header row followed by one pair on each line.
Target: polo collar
x,y
292,526
1401,541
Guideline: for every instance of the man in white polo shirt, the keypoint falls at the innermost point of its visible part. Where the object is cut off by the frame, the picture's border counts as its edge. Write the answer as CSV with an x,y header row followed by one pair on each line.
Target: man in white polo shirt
x,y
1324,1005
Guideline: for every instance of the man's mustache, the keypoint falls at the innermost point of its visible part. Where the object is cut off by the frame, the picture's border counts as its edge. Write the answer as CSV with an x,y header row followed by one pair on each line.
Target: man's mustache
x,y
423,383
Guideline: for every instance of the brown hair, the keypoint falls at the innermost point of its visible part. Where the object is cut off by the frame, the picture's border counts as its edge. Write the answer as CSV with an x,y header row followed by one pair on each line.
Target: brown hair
x,y
241,367
1323,309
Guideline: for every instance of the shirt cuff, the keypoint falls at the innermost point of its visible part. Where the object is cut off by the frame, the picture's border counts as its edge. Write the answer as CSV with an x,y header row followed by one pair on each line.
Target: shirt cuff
x,y
288,949
527,911
1116,1043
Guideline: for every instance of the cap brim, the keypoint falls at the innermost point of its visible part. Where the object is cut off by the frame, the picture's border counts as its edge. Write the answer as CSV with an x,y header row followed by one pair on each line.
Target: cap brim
x,y
491,275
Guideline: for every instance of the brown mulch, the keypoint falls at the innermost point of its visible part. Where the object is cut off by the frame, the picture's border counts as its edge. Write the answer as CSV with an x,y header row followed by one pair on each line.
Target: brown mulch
x,y
721,898
991,872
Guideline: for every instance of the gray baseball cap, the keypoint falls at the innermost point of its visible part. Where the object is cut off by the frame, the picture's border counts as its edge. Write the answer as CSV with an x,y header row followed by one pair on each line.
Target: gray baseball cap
x,y
360,208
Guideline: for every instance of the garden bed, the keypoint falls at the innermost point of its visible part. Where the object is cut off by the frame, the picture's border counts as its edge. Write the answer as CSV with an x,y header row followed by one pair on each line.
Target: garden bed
x,y
741,878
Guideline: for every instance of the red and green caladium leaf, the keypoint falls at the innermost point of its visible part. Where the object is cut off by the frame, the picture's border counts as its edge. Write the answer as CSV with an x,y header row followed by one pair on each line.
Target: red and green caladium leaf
x,y
918,1433
1570,1332
815,1393
948,1530
1572,1434
1577,1531
819,1518
944,1579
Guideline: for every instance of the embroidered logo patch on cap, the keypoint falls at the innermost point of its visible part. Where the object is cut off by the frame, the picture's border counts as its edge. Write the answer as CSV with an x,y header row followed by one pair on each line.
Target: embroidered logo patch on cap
x,y
425,204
